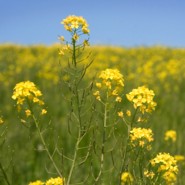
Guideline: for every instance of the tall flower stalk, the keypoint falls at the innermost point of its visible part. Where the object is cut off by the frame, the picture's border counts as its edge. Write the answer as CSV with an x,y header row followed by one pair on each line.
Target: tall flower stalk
x,y
79,122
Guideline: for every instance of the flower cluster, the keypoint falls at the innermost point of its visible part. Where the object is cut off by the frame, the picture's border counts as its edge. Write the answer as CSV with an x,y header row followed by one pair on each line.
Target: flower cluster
x,y
142,98
141,137
126,178
170,135
55,181
27,93
51,181
166,166
111,83
73,23
78,26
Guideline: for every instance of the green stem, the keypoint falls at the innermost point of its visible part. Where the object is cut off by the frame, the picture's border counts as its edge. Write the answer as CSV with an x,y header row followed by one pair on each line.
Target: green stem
x,y
74,157
45,147
105,117
4,174
78,106
140,166
133,119
74,52
129,127
103,144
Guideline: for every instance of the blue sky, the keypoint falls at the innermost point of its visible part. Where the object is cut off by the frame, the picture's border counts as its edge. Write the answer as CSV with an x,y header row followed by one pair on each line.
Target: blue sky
x,y
114,22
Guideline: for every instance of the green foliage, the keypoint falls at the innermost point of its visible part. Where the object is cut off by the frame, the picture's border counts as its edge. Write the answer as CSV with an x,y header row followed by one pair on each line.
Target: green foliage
x,y
22,156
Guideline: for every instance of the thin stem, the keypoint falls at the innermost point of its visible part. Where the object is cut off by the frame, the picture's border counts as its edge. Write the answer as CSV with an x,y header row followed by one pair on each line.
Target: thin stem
x,y
4,174
133,119
74,157
74,52
129,127
103,143
141,168
105,117
45,147
78,106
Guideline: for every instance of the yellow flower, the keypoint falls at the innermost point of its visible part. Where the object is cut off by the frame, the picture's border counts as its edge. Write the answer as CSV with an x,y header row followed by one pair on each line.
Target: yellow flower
x,y
170,135
98,85
26,90
170,177
126,178
141,137
28,112
73,23
149,174
179,158
115,92
142,98
111,83
64,49
140,119
167,167
118,99
110,75
38,182
55,181
27,94
44,111
97,95
75,37
120,114
128,113
1,120
85,30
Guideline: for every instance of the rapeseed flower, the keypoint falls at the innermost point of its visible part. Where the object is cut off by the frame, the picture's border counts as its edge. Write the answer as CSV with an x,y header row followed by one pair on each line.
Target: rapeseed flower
x,y
179,158
142,98
128,113
38,182
120,114
141,137
28,112
55,181
149,174
170,135
112,75
97,95
126,178
75,37
26,94
64,49
166,166
110,83
44,111
27,91
74,23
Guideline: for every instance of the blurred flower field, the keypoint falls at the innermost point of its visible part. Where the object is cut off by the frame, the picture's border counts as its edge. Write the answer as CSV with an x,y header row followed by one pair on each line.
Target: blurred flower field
x,y
158,68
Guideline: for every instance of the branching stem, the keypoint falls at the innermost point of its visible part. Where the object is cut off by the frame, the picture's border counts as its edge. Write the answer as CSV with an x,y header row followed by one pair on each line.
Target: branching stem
x,y
45,146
